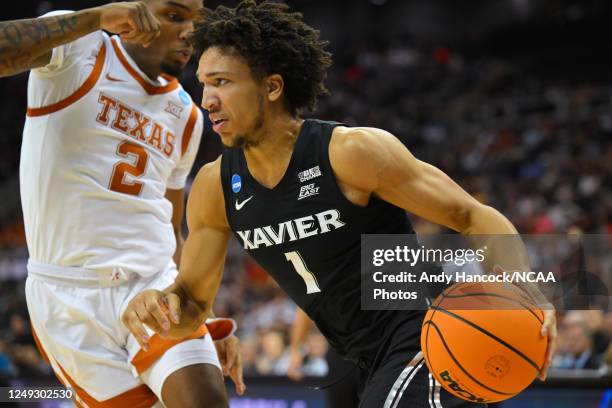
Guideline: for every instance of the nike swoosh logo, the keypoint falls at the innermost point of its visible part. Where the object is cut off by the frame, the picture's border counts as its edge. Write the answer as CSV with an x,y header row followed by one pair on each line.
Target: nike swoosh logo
x,y
240,205
110,78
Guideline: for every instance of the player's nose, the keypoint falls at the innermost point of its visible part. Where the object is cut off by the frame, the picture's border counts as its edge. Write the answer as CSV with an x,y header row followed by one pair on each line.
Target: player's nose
x,y
186,30
210,101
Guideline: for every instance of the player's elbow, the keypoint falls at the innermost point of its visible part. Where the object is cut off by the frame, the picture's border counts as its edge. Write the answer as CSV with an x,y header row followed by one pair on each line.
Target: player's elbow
x,y
478,218
464,217
14,61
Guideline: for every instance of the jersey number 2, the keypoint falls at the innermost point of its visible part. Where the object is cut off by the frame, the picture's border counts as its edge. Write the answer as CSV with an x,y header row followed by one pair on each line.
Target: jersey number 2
x,y
135,169
312,286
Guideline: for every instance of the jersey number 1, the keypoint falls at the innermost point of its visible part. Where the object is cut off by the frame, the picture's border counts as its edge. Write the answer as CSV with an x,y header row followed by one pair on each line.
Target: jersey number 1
x,y
312,286
137,169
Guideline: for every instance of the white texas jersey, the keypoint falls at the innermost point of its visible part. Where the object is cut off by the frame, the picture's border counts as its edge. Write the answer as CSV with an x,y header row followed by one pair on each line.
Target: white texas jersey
x,y
101,145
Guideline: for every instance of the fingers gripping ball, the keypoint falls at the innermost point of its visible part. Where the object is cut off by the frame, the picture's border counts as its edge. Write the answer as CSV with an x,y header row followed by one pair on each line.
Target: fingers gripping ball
x,y
482,341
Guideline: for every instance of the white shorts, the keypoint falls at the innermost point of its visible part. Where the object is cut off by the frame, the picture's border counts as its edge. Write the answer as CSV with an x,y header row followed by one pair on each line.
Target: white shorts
x,y
76,322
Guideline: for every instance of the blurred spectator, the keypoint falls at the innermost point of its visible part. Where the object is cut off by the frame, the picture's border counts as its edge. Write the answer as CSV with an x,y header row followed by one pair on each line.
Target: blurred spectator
x,y
20,333
274,359
22,349
29,362
315,364
576,348
606,367
248,347
7,370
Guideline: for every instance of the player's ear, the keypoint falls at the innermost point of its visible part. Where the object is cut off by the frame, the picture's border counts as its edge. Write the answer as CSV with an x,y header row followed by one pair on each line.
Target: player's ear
x,y
275,85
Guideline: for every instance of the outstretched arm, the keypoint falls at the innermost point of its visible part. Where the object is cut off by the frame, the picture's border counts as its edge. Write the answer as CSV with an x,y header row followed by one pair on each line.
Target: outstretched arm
x,y
205,248
389,171
181,308
26,44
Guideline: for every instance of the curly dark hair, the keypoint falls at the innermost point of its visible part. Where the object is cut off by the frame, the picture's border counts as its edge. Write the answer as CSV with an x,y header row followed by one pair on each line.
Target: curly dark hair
x,y
272,40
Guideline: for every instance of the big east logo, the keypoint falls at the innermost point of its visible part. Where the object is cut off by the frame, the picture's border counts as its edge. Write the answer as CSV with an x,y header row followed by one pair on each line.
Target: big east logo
x,y
454,385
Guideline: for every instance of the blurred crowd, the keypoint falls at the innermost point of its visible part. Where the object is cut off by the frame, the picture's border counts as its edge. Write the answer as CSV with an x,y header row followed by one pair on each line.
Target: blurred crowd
x,y
19,357
584,341
538,149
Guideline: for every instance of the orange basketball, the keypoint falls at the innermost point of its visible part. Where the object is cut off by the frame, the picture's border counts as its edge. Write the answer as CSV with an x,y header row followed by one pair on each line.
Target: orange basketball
x,y
482,341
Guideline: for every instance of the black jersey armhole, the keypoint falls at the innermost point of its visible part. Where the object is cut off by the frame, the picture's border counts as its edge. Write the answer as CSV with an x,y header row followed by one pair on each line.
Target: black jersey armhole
x,y
226,179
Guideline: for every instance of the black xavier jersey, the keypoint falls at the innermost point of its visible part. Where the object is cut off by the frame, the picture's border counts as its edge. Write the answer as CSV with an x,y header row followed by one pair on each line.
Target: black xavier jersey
x,y
307,235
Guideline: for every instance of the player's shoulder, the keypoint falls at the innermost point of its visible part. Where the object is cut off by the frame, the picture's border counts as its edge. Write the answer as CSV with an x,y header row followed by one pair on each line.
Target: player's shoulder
x,y
357,144
206,201
359,154
55,13
207,186
77,53
209,175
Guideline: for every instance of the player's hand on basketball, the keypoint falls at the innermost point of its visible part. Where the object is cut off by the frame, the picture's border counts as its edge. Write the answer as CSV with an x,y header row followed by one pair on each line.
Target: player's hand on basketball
x,y
133,21
294,369
549,328
231,361
152,308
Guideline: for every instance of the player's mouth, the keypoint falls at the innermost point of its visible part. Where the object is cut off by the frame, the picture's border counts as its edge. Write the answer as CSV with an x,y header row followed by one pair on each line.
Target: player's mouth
x,y
184,55
218,124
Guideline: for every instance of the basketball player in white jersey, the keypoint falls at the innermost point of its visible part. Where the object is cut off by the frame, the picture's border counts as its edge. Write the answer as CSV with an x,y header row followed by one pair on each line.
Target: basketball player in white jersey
x,y
109,140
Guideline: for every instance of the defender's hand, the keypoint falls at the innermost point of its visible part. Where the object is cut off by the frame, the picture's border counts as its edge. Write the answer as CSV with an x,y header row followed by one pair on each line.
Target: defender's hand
x,y
133,21
155,309
231,361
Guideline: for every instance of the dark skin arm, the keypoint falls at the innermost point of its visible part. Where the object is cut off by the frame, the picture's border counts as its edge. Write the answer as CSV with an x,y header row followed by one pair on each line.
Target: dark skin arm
x,y
28,43
181,308
189,300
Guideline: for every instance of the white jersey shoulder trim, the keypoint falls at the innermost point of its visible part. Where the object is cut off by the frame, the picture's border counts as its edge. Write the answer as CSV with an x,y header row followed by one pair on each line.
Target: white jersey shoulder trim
x,y
81,91
136,73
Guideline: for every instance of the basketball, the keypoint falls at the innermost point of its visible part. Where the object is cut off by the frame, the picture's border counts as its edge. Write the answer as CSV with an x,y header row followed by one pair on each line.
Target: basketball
x,y
482,341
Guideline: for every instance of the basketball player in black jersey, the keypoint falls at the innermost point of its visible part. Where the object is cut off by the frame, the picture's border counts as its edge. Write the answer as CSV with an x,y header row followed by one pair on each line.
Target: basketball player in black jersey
x,y
297,194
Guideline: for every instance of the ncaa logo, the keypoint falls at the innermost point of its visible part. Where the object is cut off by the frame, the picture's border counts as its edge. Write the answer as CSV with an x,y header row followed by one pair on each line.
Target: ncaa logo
x,y
454,385
184,97
236,183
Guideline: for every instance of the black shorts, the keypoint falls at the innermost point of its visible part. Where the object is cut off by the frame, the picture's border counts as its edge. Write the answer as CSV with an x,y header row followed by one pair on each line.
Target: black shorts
x,y
398,377
344,392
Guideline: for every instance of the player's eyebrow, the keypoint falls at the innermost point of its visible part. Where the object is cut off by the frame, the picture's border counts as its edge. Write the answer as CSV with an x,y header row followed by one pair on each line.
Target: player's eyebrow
x,y
197,74
175,4
215,73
